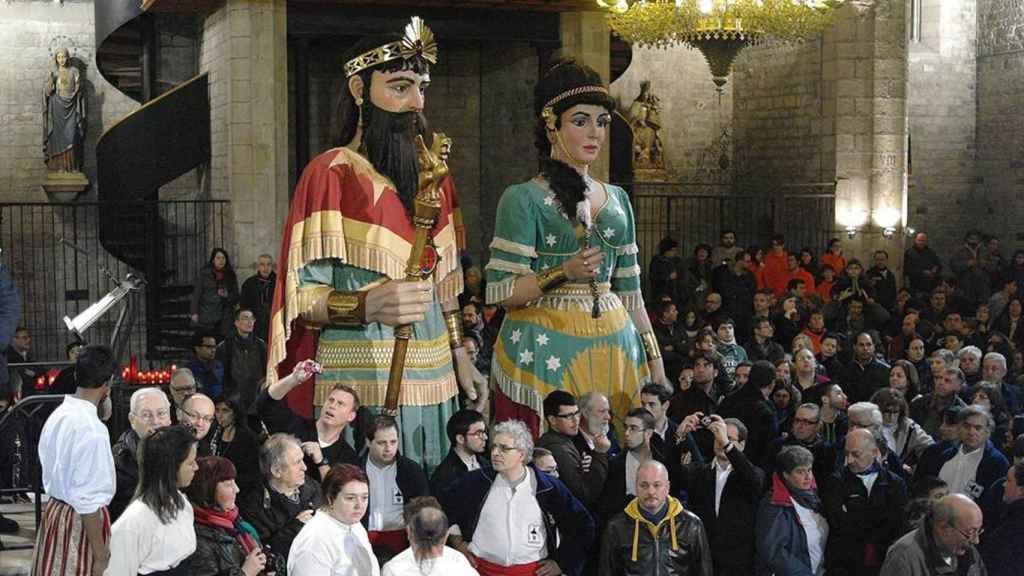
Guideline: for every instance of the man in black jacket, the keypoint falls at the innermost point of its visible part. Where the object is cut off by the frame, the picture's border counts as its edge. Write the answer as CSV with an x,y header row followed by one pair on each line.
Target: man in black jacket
x,y
724,494
804,432
865,373
244,357
148,410
258,293
394,480
584,473
467,432
864,506
750,405
620,487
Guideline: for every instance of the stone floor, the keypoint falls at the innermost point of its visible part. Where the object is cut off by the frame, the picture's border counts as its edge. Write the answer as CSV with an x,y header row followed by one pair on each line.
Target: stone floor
x,y
17,562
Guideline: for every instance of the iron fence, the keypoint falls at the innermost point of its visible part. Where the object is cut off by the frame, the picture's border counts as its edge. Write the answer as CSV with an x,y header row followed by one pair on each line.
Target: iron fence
x,y
56,279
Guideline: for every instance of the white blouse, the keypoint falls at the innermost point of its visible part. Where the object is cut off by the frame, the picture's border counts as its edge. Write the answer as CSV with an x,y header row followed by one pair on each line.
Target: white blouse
x,y
327,547
140,544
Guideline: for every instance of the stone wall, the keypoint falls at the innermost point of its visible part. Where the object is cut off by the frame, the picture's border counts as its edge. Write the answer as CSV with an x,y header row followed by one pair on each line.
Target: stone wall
x,y
693,113
1000,119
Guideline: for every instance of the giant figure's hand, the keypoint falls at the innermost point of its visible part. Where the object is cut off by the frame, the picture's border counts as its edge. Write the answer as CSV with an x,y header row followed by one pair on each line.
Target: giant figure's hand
x,y
473,383
398,302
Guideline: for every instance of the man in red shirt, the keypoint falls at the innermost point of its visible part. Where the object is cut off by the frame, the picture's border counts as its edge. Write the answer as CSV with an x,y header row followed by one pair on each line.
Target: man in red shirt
x,y
776,273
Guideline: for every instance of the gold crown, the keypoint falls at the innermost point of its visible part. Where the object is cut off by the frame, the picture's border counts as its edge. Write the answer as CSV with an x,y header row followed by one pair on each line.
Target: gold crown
x,y
417,42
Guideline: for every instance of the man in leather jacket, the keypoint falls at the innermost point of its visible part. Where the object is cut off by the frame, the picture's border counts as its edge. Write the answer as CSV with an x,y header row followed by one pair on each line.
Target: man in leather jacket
x,y
654,535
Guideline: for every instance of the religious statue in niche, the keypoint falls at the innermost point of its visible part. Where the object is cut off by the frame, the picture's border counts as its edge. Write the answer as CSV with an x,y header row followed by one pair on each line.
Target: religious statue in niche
x,y
64,129
645,120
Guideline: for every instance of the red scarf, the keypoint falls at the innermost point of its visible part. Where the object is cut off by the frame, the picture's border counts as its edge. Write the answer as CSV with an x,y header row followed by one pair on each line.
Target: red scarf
x,y
226,521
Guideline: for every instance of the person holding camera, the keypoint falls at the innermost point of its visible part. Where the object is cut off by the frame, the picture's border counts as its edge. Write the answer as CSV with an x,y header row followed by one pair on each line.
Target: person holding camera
x,y
225,542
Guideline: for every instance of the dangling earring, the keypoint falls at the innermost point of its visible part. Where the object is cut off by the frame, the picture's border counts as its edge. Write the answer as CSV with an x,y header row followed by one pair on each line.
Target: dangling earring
x,y
359,100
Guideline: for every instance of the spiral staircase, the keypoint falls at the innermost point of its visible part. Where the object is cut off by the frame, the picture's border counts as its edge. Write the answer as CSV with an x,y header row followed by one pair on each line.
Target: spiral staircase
x,y
168,136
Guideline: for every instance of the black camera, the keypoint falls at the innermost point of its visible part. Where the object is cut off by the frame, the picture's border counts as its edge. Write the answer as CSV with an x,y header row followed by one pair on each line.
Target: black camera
x,y
706,421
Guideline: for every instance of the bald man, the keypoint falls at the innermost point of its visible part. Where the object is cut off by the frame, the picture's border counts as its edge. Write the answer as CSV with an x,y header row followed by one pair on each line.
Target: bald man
x,y
943,544
864,504
197,412
640,539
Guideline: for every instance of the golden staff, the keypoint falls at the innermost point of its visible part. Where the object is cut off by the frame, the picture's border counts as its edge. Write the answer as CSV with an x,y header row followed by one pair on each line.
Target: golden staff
x,y
433,170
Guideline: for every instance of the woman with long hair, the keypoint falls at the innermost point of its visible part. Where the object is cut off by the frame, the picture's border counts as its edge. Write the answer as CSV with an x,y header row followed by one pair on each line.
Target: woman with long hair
x,y
808,262
235,441
989,396
903,377
905,437
226,545
155,533
564,265
214,294
334,541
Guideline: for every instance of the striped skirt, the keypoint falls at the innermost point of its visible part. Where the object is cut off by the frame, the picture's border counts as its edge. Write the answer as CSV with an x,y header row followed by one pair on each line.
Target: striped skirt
x,y
62,547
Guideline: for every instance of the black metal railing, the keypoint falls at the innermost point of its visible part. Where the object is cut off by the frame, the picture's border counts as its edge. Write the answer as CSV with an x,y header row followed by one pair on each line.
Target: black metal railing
x,y
55,280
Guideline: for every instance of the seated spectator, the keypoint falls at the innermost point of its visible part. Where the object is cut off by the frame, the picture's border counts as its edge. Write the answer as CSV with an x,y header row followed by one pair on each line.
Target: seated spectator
x,y
784,399
927,410
804,432
467,433
197,413
724,494
235,441
939,362
815,330
790,526
750,405
156,533
989,397
485,502
323,439
1001,547
806,379
334,540
654,534
288,498
943,544
970,362
394,480
865,373
973,466
994,370
586,482
927,492
544,461
620,487
906,438
426,527
182,385
732,353
148,410
762,346
833,256
903,378
864,504
225,542
826,284
829,358
207,369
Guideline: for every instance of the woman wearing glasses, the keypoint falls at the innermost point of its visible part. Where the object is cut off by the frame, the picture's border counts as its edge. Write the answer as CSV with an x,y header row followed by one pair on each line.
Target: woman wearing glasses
x,y
155,535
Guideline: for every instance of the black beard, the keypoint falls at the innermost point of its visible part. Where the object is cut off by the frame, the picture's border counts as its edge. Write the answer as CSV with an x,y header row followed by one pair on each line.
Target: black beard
x,y
389,144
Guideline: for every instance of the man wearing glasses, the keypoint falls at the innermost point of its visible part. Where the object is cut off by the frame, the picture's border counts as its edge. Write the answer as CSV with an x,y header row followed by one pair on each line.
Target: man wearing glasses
x,y
943,544
467,432
804,432
183,385
206,368
583,471
148,410
197,412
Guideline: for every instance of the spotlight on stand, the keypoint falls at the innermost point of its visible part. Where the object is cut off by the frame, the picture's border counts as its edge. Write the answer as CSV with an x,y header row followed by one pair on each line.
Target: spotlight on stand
x,y
85,319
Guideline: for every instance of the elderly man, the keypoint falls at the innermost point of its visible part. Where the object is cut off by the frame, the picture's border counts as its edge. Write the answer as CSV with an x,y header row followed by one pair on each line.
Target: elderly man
x,y
654,534
148,410
288,499
943,544
864,505
485,503
970,363
993,370
426,527
868,415
724,494
583,472
183,384
197,412
1001,549
973,466
596,420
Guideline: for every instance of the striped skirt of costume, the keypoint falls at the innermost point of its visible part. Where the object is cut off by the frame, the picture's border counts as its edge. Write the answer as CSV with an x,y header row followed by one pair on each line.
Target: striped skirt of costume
x,y
62,547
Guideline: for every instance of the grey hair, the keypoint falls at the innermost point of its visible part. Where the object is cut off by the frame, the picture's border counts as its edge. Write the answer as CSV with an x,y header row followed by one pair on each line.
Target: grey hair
x,y
869,408
793,457
589,400
972,350
183,373
273,452
810,406
741,428
519,433
142,393
998,358
976,410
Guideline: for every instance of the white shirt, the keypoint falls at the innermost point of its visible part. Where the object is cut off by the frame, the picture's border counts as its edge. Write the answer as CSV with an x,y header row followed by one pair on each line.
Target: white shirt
x,y
816,528
140,544
386,499
661,432
868,480
510,530
327,547
75,457
959,471
451,563
471,464
632,465
721,477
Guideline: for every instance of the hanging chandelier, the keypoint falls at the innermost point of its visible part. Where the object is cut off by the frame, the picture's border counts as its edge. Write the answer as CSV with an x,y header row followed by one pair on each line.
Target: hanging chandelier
x,y
718,28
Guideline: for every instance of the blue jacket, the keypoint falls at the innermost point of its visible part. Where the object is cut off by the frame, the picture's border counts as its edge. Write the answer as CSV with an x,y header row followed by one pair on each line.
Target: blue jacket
x,y
992,467
780,538
561,510
1001,549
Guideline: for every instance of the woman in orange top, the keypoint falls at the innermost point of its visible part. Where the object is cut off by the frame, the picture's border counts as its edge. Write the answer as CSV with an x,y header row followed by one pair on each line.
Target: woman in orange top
x,y
834,256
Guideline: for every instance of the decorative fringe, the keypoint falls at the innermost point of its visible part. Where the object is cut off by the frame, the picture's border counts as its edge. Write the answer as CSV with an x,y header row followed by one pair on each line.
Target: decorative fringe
x,y
632,300
498,292
627,249
506,266
513,247
517,392
627,272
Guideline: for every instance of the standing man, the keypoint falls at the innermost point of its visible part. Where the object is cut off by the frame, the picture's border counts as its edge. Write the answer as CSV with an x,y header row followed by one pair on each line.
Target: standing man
x,y
467,432
865,373
78,474
620,486
921,266
206,368
18,352
583,473
243,356
1001,550
258,293
346,245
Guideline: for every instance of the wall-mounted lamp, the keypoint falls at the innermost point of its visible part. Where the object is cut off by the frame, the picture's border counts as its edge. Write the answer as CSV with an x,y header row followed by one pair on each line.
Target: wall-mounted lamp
x,y
851,232
909,232
888,232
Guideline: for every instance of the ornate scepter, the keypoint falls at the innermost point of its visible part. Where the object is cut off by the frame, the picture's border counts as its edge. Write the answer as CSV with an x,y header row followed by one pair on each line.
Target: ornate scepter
x,y
433,170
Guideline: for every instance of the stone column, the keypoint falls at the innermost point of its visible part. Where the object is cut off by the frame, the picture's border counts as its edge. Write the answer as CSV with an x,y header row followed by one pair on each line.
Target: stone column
x,y
585,37
246,53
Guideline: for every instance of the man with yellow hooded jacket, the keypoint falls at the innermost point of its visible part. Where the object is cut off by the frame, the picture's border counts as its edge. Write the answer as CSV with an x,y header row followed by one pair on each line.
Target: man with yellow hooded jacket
x,y
654,535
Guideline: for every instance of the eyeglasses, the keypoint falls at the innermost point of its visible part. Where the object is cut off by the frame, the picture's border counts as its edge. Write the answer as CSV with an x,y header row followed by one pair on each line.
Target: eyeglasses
x,y
504,449
197,418
805,421
568,416
150,416
972,535
183,390
478,434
